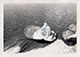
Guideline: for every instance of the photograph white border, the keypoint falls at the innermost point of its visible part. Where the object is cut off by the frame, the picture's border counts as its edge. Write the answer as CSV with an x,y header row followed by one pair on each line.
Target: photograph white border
x,y
2,54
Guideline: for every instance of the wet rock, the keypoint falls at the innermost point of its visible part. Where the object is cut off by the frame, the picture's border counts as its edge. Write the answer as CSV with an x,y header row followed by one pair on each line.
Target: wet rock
x,y
70,35
70,38
71,41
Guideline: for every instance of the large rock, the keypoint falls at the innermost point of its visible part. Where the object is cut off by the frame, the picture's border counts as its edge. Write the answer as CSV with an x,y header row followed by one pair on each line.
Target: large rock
x,y
29,30
40,33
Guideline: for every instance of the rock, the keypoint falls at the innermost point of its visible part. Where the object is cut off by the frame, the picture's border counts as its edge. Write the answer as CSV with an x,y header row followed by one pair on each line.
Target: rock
x,y
72,27
29,30
70,37
51,37
73,36
45,33
13,50
45,30
39,33
71,41
66,34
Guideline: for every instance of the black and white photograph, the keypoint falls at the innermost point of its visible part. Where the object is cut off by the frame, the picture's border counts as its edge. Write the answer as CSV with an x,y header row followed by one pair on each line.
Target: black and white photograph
x,y
49,28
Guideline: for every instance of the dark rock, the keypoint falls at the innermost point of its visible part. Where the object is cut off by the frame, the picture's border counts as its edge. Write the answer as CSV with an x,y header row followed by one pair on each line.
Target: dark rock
x,y
71,41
